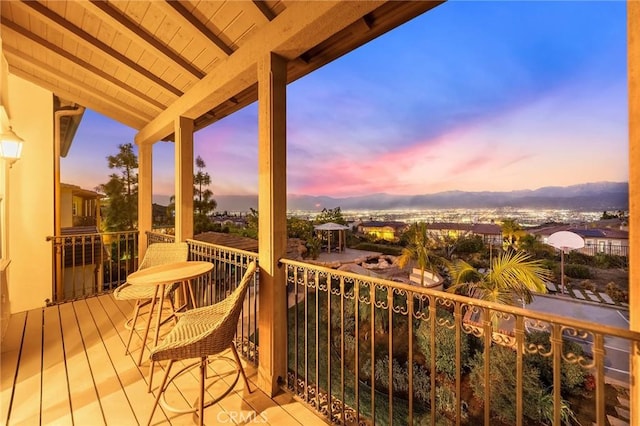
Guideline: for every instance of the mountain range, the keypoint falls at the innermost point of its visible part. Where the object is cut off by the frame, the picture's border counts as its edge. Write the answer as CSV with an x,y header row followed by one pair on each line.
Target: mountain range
x,y
587,196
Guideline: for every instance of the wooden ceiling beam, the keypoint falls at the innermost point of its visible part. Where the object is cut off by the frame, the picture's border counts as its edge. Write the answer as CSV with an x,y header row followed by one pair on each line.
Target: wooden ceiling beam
x,y
17,58
113,17
188,21
73,61
122,116
300,26
264,9
96,46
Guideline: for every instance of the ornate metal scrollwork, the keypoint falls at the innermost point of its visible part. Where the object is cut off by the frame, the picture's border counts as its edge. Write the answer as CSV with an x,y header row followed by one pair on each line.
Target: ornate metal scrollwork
x,y
420,306
471,318
403,308
382,304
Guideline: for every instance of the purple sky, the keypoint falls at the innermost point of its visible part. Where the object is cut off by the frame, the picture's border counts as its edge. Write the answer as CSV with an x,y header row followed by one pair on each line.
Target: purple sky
x,y
470,96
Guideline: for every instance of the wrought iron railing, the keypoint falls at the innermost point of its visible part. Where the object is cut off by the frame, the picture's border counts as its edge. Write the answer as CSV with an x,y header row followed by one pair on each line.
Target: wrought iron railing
x,y
593,249
92,263
363,350
229,265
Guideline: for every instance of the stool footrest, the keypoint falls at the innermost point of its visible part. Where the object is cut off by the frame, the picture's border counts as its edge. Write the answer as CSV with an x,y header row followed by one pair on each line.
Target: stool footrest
x,y
194,407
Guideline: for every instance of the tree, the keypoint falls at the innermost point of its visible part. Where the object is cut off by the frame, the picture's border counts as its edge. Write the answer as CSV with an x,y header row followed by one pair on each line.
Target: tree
x,y
203,202
512,276
122,190
330,215
418,249
511,233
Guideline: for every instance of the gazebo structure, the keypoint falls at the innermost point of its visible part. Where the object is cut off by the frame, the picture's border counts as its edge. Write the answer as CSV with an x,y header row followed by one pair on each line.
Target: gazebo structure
x,y
330,228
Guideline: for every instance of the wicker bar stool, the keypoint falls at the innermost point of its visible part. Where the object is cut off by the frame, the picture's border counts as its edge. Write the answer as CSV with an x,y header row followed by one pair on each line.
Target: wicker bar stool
x,y
199,333
156,254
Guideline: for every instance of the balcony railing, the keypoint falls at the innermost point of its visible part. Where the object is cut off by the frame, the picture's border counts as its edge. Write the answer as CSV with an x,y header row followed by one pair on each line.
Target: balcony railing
x,y
611,249
363,350
229,265
92,263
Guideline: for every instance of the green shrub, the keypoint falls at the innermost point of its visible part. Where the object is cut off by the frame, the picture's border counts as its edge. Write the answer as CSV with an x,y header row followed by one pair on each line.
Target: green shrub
x,y
470,244
538,408
445,344
608,261
578,258
384,249
502,379
573,375
400,377
577,271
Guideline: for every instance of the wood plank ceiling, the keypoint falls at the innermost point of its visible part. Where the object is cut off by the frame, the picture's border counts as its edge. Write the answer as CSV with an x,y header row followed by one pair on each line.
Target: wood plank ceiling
x,y
133,60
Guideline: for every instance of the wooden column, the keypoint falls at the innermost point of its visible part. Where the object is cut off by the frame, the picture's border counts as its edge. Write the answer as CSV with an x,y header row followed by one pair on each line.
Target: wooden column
x,y
145,195
272,208
633,64
184,178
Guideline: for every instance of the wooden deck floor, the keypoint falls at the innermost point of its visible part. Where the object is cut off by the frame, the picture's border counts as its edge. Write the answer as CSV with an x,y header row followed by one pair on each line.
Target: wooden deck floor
x,y
65,365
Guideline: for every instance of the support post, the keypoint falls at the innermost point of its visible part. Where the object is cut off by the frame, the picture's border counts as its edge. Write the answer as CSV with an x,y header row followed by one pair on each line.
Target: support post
x,y
633,64
272,208
145,196
184,178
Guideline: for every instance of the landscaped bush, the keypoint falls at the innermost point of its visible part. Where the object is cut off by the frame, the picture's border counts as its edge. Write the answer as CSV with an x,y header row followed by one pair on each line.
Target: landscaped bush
x,y
384,249
578,258
470,244
445,344
502,379
573,375
588,285
608,261
616,293
538,406
400,377
577,271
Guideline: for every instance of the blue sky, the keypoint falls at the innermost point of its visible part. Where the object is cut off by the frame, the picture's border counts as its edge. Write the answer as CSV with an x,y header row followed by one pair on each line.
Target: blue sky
x,y
470,96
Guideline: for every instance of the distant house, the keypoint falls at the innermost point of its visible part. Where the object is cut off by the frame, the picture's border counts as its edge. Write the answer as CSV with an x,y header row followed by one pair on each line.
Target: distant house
x,y
390,230
78,207
596,240
490,232
79,250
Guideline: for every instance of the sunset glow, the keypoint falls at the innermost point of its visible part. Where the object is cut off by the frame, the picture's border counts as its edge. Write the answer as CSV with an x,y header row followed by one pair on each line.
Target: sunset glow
x,y
471,96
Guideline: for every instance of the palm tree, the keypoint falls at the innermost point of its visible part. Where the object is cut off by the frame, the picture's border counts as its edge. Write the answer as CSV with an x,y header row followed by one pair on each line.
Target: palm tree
x,y
417,249
513,275
511,233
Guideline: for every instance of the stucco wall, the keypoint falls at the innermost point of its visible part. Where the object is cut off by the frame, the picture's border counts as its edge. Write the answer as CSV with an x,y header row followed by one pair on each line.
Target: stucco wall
x,y
66,211
30,196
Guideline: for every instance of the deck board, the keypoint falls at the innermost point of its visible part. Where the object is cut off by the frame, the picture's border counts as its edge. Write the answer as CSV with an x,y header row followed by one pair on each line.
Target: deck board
x,y
27,388
66,365
110,318
9,362
84,399
114,402
54,372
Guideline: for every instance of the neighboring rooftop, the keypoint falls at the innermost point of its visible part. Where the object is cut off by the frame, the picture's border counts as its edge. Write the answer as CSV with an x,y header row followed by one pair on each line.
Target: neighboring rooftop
x,y
228,240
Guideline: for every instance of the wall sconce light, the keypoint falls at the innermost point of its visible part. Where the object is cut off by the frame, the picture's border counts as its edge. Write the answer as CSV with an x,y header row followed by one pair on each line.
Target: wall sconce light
x,y
10,146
